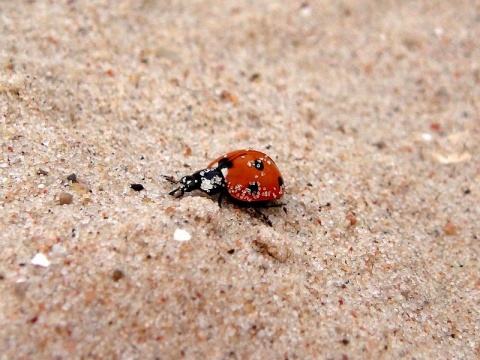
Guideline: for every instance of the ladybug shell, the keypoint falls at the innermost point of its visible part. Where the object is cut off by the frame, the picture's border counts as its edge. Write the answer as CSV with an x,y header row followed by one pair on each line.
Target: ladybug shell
x,y
250,175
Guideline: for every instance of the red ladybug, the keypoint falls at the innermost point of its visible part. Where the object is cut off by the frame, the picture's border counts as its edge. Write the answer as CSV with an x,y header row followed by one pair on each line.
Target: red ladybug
x,y
248,176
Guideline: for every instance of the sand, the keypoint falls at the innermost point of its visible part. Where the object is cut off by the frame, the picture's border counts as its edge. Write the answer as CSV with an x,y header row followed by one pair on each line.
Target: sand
x,y
370,109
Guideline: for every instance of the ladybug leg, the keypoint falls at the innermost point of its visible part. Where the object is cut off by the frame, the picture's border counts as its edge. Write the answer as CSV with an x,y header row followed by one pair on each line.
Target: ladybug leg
x,y
272,204
172,180
220,198
264,217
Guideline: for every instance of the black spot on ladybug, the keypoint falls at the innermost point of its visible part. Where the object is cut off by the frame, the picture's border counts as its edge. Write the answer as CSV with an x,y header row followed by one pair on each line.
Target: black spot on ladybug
x,y
258,164
253,187
280,181
225,163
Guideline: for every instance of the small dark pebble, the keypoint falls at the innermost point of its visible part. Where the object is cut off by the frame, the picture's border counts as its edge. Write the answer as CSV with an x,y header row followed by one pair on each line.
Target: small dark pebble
x,y
351,218
309,184
72,177
345,341
255,77
231,251
137,187
322,206
468,191
2,277
149,256
65,198
42,172
117,275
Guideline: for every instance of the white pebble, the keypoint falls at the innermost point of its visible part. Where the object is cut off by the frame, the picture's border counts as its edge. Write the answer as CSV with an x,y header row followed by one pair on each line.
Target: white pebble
x,y
40,260
427,137
58,249
438,31
181,235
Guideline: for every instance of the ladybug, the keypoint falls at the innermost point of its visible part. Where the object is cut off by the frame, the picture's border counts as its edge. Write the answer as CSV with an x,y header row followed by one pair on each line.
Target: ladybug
x,y
248,176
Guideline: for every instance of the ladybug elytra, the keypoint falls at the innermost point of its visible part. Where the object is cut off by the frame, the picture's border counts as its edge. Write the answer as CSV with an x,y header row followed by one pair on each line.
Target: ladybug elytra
x,y
248,176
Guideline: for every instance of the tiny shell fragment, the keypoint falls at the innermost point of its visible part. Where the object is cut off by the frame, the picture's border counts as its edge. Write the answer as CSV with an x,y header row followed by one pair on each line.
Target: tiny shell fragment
x,y
181,235
40,260
451,158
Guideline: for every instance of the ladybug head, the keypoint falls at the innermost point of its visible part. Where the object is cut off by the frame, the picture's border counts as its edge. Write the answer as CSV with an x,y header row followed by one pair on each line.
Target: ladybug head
x,y
210,181
186,184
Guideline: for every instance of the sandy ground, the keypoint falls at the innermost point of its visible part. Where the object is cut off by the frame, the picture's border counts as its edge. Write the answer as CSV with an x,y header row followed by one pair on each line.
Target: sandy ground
x,y
369,108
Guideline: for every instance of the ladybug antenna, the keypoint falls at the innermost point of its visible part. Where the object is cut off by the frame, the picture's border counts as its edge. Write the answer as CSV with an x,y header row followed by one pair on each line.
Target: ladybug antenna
x,y
172,180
